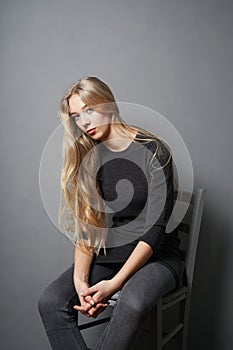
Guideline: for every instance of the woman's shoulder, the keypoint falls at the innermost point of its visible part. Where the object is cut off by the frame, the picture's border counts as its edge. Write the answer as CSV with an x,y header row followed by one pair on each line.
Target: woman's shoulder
x,y
156,146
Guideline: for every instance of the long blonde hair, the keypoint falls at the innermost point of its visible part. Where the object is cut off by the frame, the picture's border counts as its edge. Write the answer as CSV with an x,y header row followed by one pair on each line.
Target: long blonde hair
x,y
86,224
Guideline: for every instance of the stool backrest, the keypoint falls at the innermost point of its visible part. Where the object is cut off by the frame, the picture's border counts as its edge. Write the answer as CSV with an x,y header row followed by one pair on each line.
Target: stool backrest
x,y
189,229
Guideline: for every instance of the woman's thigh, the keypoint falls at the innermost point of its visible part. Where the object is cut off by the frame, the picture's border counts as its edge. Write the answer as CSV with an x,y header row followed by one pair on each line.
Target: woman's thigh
x,y
138,297
143,289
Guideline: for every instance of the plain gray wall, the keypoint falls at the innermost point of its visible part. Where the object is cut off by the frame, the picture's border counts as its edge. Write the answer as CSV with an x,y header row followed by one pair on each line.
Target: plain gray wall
x,y
172,56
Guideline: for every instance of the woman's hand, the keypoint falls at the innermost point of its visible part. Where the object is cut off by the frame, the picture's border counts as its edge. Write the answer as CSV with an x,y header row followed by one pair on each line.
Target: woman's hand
x,y
87,303
100,293
81,286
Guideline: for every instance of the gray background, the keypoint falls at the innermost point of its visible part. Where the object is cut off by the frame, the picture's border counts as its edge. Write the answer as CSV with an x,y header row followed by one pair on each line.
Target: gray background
x,y
172,56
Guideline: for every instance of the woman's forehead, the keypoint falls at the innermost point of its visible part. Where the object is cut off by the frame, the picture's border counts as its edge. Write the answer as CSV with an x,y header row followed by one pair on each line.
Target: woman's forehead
x,y
76,104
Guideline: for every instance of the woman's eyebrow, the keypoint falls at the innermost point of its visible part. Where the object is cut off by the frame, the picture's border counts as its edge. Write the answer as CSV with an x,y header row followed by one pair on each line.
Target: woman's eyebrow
x,y
76,112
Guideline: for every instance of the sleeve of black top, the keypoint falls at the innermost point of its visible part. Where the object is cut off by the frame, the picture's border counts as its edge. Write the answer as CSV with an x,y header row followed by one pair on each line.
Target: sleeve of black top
x,y
160,199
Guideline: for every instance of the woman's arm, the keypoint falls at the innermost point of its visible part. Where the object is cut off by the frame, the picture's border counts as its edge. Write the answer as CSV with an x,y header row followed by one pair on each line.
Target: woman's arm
x,y
159,208
104,289
82,263
139,256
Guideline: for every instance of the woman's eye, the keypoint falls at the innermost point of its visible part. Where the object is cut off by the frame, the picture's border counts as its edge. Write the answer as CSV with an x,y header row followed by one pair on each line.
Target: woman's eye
x,y
75,117
89,110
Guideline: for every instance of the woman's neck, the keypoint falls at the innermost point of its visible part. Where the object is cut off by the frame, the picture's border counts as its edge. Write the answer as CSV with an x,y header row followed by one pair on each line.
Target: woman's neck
x,y
116,141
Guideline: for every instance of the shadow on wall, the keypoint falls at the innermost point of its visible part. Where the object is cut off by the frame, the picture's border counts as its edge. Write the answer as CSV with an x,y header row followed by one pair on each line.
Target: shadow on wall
x,y
209,277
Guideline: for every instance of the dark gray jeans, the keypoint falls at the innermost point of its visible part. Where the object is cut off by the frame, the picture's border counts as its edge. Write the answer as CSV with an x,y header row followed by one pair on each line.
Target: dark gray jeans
x,y
138,296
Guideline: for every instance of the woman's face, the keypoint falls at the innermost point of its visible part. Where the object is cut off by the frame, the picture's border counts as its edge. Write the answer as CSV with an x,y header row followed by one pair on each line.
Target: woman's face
x,y
86,118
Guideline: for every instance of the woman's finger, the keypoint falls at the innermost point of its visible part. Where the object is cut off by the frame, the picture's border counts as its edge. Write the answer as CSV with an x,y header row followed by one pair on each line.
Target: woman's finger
x,y
95,309
101,309
80,307
98,312
90,300
89,290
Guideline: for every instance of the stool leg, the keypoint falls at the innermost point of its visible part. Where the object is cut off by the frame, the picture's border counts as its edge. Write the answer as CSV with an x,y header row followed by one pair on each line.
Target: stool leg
x,y
185,322
153,328
159,325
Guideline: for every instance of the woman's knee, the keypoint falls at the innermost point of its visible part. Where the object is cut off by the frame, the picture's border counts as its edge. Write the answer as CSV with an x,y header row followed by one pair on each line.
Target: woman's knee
x,y
54,298
142,291
49,299
58,294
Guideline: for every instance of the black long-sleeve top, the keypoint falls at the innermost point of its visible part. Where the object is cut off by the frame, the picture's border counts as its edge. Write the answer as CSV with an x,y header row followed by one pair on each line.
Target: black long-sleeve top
x,y
139,203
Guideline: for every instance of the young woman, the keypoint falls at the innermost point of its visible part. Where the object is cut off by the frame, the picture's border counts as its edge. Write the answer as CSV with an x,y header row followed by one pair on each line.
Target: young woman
x,y
134,254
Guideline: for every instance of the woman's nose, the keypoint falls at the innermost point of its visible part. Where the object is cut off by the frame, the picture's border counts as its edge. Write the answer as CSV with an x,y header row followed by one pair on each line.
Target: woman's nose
x,y
85,120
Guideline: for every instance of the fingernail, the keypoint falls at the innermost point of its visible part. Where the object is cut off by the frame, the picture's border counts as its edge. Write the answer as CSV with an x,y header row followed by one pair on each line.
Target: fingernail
x,y
92,302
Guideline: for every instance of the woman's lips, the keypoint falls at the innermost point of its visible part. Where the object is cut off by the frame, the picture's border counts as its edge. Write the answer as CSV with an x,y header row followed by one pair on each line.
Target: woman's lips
x,y
91,131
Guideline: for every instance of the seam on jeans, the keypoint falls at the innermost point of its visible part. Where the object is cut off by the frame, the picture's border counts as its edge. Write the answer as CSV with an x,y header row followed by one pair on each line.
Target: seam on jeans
x,y
108,325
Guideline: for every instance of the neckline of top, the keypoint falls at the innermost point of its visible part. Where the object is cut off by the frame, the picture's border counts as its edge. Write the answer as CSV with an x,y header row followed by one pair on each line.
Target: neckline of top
x,y
127,149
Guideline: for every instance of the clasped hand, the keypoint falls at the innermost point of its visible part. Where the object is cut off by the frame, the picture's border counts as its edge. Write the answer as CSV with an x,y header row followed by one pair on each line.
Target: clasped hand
x,y
94,299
